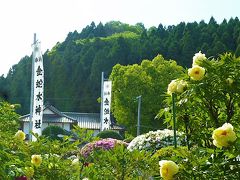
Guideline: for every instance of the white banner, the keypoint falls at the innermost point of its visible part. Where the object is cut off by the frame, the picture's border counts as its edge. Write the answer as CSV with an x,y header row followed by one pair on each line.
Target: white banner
x,y
106,104
38,86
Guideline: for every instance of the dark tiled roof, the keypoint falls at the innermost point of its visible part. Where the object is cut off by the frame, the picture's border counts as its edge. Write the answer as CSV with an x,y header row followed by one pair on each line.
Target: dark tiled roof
x,y
51,119
84,120
57,117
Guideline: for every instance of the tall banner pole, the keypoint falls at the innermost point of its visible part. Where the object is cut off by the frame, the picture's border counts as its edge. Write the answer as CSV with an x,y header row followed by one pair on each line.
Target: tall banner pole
x,y
101,109
105,104
36,109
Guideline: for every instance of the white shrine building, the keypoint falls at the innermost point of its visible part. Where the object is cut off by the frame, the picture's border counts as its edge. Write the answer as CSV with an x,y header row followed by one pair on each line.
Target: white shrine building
x,y
66,120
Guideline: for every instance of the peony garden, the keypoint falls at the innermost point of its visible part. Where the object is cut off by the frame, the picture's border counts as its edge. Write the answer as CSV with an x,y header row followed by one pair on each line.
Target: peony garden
x,y
199,139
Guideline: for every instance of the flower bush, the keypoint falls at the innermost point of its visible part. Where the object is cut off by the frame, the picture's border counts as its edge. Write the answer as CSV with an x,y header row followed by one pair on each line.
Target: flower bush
x,y
105,144
153,140
210,100
22,159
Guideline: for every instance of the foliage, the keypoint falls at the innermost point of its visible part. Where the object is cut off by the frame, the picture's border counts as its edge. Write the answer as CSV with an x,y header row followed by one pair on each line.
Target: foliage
x,y
16,159
119,163
9,121
109,134
203,163
15,153
148,79
53,132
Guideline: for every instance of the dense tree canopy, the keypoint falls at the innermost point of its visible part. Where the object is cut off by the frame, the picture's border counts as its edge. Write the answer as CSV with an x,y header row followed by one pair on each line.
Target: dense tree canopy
x,y
73,67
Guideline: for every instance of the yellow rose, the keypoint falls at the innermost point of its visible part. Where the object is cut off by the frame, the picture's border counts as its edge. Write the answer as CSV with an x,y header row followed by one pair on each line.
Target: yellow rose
x,y
168,169
172,87
224,135
20,135
196,72
198,57
176,86
36,160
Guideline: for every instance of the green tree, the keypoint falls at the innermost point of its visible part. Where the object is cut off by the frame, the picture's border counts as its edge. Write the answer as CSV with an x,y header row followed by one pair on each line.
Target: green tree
x,y
148,79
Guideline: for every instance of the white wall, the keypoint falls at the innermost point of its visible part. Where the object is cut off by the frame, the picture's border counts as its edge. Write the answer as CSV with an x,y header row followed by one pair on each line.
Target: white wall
x,y
26,127
96,131
44,125
66,127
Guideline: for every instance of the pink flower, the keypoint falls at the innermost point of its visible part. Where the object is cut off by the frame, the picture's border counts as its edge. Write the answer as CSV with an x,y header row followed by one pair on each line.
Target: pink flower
x,y
105,144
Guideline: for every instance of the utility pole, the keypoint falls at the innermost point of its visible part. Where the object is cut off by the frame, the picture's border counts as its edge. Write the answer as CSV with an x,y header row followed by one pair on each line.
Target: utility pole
x,y
139,98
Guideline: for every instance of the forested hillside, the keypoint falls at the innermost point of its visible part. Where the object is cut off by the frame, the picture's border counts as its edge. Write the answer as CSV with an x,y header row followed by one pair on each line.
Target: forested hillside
x,y
73,67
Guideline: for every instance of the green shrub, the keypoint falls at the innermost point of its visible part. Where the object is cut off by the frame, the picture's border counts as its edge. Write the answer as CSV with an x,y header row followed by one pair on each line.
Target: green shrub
x,y
52,132
120,163
109,134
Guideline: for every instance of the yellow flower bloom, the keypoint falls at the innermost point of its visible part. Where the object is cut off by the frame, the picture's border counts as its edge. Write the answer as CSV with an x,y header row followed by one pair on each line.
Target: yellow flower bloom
x,y
20,135
198,57
176,86
224,135
168,169
196,72
172,87
36,160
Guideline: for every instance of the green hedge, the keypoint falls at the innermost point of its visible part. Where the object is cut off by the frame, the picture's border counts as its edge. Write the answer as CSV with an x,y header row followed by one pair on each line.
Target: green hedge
x,y
52,132
109,134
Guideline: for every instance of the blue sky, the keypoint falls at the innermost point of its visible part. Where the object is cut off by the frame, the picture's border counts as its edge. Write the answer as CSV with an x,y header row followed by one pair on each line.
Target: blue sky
x,y
53,19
